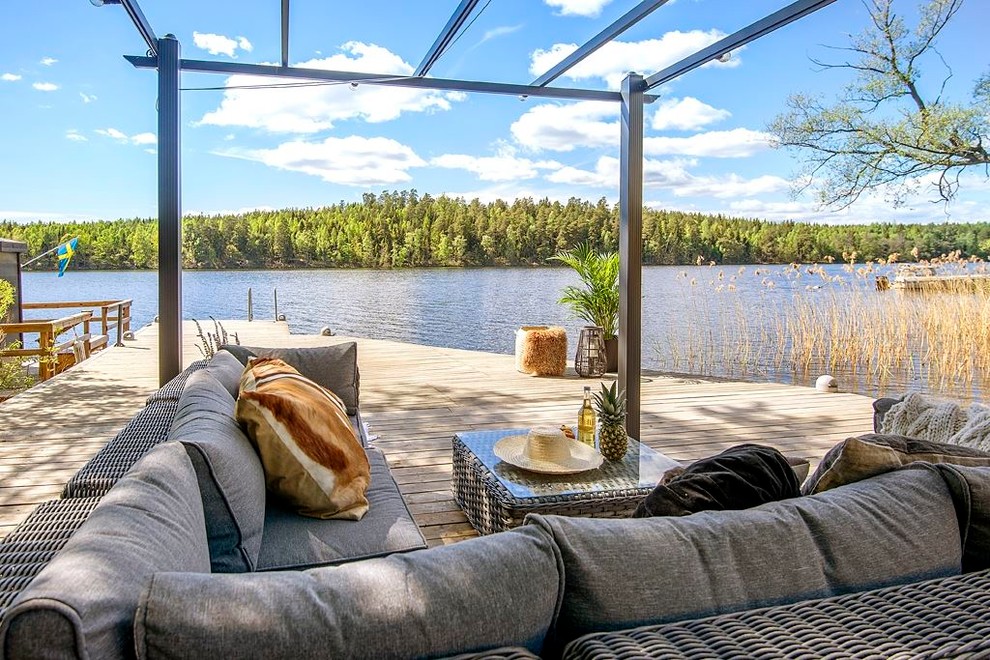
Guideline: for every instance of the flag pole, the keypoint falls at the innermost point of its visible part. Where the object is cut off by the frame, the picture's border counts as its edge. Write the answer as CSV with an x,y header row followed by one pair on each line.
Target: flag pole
x,y
43,254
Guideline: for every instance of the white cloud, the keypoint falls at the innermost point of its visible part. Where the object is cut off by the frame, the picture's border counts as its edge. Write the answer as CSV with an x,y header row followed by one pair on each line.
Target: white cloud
x,y
87,98
228,137
504,166
153,152
48,61
75,136
139,139
350,161
566,126
45,86
672,175
497,32
10,77
144,138
735,143
590,8
615,59
112,133
686,114
316,108
217,44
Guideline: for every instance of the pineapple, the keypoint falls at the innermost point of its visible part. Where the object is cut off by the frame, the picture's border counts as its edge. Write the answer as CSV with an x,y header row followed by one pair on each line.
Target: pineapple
x,y
611,407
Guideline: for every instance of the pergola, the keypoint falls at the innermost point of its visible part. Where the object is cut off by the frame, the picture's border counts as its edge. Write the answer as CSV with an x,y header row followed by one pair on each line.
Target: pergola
x,y
164,55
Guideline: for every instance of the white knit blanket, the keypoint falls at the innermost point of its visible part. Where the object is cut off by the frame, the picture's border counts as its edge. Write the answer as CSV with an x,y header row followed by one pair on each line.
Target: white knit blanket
x,y
934,420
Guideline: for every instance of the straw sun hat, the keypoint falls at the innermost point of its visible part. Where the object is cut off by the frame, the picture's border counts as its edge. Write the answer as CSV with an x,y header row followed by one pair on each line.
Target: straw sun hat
x,y
546,449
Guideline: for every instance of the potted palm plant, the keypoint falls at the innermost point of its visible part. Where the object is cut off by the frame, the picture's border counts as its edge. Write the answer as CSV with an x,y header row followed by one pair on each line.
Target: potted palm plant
x,y
597,299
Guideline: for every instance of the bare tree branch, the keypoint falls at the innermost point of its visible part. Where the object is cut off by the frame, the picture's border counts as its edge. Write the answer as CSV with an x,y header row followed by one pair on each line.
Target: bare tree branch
x,y
881,133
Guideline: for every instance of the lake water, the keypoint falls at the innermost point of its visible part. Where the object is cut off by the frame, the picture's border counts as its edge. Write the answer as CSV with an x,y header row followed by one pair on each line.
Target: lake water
x,y
694,318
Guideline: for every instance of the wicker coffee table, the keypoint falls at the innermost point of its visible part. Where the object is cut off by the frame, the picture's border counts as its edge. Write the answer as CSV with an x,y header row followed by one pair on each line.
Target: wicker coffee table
x,y
496,496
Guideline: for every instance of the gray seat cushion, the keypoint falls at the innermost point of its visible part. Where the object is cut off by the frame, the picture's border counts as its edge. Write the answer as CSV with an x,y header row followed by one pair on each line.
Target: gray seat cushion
x,y
292,541
82,604
485,593
230,475
333,367
892,529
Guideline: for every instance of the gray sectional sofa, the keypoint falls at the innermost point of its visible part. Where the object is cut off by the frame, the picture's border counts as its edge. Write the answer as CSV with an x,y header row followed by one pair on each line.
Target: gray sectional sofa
x,y
171,564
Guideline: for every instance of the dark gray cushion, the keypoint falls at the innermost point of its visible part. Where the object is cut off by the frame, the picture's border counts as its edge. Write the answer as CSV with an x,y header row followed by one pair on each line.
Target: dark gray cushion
x,y
333,367
230,475
489,592
896,528
82,604
294,541
740,477
227,369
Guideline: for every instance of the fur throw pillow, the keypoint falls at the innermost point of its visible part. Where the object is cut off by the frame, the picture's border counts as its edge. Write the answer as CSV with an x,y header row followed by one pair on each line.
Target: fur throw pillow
x,y
311,457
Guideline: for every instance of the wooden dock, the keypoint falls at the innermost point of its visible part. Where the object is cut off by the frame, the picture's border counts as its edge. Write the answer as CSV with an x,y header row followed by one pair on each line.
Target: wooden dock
x,y
414,398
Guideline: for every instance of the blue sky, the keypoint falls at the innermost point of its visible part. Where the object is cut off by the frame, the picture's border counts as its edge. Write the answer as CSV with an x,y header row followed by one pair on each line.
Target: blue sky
x,y
78,136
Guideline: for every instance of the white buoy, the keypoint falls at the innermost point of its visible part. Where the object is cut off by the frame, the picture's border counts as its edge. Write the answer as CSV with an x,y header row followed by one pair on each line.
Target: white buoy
x,y
281,317
826,384
326,331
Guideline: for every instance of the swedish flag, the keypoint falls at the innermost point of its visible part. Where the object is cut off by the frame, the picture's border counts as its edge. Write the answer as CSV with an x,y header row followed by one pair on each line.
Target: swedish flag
x,y
65,253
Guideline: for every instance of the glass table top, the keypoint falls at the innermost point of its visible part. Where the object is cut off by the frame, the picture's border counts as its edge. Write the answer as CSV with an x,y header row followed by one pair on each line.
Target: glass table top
x,y
641,468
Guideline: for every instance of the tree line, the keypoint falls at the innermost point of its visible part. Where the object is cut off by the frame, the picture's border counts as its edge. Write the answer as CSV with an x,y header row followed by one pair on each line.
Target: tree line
x,y
405,229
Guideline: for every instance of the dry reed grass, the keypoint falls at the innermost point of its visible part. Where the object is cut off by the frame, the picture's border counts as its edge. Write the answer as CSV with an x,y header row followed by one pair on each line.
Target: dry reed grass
x,y
874,342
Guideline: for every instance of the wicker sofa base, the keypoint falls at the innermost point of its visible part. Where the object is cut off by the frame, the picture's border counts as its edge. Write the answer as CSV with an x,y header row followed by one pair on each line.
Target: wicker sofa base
x,y
30,547
944,618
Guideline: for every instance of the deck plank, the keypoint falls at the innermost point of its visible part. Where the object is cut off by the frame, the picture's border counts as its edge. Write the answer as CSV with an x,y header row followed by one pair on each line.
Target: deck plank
x,y
413,398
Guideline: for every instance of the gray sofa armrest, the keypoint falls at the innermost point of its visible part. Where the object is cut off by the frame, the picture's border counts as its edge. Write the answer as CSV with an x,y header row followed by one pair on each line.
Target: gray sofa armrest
x,y
82,604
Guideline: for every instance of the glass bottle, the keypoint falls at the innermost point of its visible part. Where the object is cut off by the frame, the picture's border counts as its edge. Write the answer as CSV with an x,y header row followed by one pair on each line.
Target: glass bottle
x,y
586,420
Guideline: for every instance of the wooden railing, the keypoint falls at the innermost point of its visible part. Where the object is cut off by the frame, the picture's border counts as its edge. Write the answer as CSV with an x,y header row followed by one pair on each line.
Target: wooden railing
x,y
55,356
112,314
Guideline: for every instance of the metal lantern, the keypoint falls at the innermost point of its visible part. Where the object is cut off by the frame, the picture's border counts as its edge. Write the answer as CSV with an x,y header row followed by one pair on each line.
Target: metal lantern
x,y
590,359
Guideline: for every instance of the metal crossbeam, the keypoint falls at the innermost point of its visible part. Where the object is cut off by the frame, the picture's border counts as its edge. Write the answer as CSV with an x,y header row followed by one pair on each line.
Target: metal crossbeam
x,y
141,23
765,25
205,66
285,32
445,37
631,17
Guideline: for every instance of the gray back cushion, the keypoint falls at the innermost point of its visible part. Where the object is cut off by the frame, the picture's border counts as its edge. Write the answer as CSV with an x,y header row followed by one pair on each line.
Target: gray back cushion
x,y
82,604
970,488
227,369
230,475
895,528
333,367
500,590
292,541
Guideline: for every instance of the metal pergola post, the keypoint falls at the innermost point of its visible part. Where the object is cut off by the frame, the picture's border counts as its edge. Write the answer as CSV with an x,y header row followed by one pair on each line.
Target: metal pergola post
x,y
169,211
631,248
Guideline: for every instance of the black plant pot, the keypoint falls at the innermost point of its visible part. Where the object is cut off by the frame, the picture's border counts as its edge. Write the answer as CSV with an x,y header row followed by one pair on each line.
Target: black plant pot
x,y
612,354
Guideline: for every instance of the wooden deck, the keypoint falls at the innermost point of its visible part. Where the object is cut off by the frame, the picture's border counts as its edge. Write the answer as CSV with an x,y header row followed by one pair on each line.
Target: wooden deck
x,y
414,398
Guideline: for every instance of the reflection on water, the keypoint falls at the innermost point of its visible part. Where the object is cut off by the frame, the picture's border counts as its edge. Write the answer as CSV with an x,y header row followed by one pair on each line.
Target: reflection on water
x,y
730,322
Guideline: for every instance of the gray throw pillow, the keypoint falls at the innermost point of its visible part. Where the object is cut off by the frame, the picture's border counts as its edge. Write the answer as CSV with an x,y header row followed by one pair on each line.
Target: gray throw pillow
x,y
230,475
857,458
484,593
621,573
334,367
